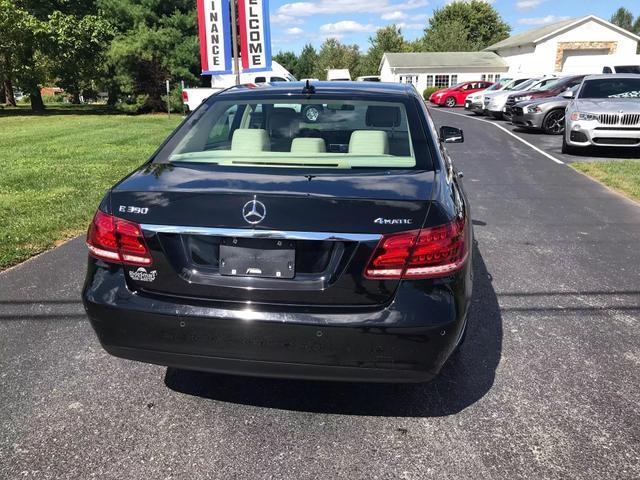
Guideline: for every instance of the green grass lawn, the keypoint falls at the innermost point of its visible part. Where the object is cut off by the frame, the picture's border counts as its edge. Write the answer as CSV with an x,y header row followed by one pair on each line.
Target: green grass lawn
x,y
621,175
55,168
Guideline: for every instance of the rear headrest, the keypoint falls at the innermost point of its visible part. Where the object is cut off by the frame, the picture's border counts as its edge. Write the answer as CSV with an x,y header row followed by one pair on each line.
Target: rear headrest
x,y
369,142
308,145
284,123
380,116
250,140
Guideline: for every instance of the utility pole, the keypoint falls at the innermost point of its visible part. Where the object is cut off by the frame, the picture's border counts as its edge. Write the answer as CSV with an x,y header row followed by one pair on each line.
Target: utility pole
x,y
234,40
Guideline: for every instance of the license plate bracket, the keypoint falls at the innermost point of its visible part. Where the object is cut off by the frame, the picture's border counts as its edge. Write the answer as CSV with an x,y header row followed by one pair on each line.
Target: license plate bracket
x,y
260,258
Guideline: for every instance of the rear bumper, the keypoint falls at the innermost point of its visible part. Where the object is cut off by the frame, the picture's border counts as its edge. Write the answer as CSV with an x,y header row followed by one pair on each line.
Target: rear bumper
x,y
406,341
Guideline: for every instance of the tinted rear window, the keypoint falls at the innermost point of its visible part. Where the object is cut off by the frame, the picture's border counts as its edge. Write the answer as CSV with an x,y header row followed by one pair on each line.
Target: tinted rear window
x,y
302,133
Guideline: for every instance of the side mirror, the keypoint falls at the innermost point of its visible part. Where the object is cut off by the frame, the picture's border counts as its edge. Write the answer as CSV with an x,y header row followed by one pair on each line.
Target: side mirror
x,y
567,94
451,135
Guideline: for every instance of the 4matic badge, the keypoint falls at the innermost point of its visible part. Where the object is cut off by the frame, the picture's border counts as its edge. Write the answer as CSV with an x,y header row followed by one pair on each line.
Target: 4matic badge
x,y
393,221
141,275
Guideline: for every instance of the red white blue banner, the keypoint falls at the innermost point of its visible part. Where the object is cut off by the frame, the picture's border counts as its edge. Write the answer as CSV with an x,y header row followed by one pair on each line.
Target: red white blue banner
x,y
215,36
255,35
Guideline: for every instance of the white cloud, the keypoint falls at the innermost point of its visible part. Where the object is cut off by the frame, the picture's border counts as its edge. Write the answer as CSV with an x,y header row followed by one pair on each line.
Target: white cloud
x,y
281,19
306,9
294,31
346,26
528,4
541,20
395,15
410,26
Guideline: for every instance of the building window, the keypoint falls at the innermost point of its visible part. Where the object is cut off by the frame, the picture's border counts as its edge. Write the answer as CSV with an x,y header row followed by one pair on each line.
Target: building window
x,y
413,79
497,77
429,80
483,77
454,80
441,81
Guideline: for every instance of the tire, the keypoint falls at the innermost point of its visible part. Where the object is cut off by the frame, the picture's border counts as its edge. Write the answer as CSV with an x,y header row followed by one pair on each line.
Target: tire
x,y
553,122
497,115
450,102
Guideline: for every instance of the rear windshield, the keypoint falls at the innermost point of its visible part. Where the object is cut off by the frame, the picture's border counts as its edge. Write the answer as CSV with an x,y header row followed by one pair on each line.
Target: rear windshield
x,y
611,88
300,133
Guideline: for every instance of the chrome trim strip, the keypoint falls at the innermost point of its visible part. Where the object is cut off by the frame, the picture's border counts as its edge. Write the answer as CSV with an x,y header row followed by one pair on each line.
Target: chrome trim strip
x,y
251,233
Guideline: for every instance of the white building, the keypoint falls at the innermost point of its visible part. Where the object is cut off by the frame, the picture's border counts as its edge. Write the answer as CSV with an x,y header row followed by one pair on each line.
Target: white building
x,y
441,69
577,45
559,46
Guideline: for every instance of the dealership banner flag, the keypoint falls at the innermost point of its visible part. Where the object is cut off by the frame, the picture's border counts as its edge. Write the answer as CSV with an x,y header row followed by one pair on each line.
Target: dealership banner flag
x,y
255,35
215,36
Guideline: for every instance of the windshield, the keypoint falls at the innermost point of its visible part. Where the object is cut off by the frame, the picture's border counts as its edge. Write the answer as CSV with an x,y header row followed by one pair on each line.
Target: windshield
x,y
611,88
499,85
516,84
301,133
551,85
525,85
627,68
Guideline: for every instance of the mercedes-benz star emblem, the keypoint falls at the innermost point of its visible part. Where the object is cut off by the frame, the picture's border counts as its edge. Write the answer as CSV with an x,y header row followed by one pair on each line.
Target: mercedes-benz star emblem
x,y
254,211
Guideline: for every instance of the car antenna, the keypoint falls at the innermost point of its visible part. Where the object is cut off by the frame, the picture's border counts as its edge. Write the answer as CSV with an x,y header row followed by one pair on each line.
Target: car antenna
x,y
308,88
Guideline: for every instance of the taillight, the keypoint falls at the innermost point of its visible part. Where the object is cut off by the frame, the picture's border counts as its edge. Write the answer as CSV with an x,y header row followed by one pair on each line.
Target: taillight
x,y
117,240
426,253
185,97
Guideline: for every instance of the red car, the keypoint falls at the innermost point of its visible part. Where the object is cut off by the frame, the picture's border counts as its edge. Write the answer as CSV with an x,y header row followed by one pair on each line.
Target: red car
x,y
457,94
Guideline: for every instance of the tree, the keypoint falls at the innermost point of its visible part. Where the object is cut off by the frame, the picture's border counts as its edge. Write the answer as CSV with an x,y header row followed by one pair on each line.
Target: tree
x,y
155,41
476,20
387,39
20,58
306,64
77,50
450,36
623,18
334,54
288,60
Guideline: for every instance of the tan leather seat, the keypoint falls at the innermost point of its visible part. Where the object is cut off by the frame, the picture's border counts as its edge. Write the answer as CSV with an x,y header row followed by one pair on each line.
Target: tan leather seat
x,y
369,142
247,140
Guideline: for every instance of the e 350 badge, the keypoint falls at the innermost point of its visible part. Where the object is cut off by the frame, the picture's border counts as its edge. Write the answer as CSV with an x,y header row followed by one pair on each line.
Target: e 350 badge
x,y
141,275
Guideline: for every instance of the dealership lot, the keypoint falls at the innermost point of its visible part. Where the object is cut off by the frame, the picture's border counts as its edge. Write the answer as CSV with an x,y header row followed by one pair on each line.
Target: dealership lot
x,y
546,386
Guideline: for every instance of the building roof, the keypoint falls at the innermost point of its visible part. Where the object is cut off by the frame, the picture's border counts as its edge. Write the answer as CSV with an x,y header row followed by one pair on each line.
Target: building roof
x,y
445,60
536,35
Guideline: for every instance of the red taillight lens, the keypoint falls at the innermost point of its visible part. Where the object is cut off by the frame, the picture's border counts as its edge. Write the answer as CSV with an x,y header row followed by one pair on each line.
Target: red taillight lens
x,y
185,97
425,253
116,240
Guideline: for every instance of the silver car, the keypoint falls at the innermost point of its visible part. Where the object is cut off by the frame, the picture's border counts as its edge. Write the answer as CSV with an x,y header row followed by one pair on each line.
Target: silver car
x,y
545,114
605,112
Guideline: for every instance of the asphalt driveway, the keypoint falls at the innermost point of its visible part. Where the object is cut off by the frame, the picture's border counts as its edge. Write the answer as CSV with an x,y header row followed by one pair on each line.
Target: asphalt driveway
x,y
546,386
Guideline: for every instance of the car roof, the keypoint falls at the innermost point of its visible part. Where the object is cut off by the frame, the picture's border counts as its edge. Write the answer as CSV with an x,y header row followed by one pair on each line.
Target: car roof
x,y
322,87
612,75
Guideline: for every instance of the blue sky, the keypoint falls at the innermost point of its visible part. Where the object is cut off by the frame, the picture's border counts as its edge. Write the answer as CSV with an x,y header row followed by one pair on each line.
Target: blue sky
x,y
294,23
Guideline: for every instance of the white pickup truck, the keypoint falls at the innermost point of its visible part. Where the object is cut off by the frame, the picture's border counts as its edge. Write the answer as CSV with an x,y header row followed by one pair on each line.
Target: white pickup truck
x,y
193,97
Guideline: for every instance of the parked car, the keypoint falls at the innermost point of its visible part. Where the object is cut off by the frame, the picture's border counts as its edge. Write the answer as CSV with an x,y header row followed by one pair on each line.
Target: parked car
x,y
495,103
545,114
338,75
260,241
193,97
551,89
604,112
475,101
368,78
456,95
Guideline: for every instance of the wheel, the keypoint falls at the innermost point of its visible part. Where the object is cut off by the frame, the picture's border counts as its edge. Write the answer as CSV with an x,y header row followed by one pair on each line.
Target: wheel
x,y
497,115
553,123
450,102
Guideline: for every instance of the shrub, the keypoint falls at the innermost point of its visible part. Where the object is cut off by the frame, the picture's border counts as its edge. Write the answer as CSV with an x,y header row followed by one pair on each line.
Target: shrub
x,y
428,91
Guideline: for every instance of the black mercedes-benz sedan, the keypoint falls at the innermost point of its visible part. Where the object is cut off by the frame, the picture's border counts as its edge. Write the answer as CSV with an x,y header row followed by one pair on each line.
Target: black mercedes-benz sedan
x,y
291,230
